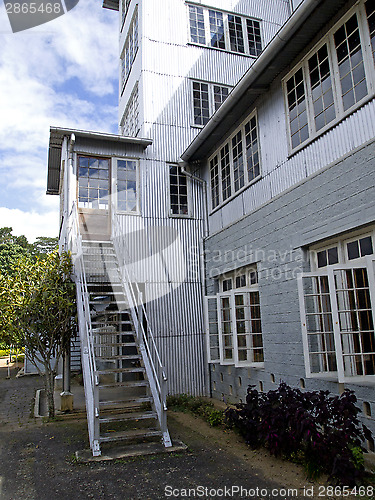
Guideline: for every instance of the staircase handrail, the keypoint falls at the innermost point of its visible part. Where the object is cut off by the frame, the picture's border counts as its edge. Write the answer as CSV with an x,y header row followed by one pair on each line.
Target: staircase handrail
x,y
74,243
160,378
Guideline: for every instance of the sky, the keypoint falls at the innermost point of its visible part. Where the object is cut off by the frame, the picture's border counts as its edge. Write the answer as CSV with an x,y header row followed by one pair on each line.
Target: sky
x,y
62,74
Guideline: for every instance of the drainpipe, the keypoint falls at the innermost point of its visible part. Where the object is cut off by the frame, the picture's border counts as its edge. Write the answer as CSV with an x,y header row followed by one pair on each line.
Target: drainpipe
x,y
67,396
201,249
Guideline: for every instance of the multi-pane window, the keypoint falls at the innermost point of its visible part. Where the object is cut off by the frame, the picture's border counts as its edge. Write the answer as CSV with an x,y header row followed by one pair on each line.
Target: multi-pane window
x,y
93,182
207,98
215,182
225,31
253,37
333,79
321,88
234,321
236,164
236,39
178,190
370,12
197,30
130,49
225,171
124,9
350,62
252,149
296,94
337,303
126,185
201,103
217,34
220,93
238,161
130,120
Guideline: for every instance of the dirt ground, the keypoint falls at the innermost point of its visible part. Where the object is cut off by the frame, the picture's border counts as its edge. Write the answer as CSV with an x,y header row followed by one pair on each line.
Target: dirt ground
x,y
37,461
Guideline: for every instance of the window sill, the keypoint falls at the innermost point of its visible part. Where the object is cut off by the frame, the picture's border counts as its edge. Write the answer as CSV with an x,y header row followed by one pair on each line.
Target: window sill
x,y
180,216
226,51
255,366
123,212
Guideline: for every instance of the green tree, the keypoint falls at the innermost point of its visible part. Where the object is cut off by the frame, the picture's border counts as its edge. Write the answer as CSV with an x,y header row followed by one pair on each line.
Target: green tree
x,y
38,311
44,245
10,253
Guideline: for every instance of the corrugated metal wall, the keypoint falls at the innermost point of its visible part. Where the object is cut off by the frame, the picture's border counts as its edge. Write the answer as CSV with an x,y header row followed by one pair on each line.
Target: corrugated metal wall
x,y
173,291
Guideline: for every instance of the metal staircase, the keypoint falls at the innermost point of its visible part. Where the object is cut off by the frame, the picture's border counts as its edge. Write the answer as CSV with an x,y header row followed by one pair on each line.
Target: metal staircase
x,y
124,379
126,407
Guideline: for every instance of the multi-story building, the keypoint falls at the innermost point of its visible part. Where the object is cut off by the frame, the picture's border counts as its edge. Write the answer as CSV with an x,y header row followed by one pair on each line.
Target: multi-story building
x,y
239,185
289,161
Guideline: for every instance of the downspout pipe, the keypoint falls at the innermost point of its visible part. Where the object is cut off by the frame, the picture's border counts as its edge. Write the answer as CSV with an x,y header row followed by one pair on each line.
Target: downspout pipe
x,y
66,395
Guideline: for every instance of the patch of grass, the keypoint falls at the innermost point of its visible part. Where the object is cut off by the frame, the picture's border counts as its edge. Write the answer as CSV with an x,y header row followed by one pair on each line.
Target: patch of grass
x,y
196,406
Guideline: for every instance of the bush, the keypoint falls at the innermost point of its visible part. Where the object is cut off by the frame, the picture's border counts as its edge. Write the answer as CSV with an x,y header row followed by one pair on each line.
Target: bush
x,y
323,430
198,406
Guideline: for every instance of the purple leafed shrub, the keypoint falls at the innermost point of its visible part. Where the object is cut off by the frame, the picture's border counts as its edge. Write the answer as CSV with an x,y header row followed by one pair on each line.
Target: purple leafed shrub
x,y
322,429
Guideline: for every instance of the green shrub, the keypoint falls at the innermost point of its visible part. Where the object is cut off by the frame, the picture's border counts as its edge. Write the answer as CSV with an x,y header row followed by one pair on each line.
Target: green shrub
x,y
322,429
197,406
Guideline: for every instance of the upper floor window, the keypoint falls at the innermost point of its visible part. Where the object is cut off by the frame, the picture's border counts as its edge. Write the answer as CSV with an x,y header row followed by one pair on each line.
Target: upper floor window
x,y
93,182
334,78
130,120
236,163
207,98
130,49
126,178
178,189
221,30
124,10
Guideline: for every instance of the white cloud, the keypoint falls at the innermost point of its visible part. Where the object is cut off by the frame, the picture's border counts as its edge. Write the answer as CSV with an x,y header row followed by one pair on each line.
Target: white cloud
x,y
31,224
59,74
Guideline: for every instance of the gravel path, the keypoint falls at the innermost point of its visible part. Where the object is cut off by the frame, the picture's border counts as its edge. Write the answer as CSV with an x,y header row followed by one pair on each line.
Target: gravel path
x,y
37,460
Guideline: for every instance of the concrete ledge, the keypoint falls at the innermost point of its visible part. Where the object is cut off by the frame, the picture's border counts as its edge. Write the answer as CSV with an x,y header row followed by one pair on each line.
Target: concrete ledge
x,y
131,450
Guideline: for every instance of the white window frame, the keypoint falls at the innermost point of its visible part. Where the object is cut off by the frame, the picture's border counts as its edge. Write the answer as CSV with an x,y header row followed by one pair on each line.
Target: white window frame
x,y
114,186
369,68
189,204
214,326
211,99
130,118
125,4
130,49
225,15
369,263
340,243
247,182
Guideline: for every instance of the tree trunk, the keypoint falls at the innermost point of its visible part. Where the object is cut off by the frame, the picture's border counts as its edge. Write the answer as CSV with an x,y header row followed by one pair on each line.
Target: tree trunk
x,y
49,385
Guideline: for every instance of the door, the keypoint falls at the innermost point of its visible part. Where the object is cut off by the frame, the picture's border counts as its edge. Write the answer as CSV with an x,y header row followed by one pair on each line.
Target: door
x,y
93,174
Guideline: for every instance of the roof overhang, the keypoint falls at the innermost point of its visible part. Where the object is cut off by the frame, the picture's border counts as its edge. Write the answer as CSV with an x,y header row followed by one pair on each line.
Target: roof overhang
x,y
111,4
56,139
300,30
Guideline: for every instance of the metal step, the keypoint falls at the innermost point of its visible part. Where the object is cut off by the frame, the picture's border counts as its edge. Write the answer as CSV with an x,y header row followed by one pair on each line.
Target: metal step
x,y
146,415
117,344
134,383
120,370
129,435
127,401
125,357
